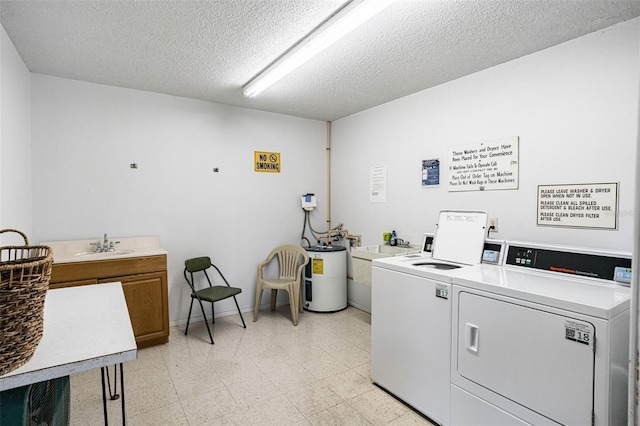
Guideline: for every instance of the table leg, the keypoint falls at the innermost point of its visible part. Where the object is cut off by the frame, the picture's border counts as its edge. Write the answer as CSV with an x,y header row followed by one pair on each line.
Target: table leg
x,y
104,399
104,396
124,419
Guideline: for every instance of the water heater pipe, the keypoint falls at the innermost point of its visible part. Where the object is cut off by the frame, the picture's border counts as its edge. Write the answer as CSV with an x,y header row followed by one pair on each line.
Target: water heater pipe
x,y
634,326
329,178
330,232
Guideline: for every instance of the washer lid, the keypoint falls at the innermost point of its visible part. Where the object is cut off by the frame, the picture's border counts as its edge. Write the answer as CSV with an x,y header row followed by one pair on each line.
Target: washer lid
x,y
459,236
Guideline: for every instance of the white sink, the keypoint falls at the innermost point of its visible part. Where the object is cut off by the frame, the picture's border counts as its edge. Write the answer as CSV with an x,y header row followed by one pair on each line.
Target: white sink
x,y
382,250
71,251
361,258
85,254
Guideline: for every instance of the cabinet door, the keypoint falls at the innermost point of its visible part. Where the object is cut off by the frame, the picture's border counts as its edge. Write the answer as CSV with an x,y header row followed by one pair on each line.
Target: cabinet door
x,y
146,296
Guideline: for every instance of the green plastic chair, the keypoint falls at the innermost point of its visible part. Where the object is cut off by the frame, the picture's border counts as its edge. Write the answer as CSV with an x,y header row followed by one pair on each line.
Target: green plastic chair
x,y
213,293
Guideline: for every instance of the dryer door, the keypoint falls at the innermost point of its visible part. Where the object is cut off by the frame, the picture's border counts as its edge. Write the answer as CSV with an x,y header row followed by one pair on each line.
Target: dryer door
x,y
538,359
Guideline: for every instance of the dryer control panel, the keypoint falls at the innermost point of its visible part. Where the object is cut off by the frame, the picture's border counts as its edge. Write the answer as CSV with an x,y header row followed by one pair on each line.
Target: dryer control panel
x,y
604,266
493,252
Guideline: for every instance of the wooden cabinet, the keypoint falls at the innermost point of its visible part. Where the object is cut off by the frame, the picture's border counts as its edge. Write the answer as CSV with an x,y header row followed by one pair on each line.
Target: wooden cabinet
x,y
144,282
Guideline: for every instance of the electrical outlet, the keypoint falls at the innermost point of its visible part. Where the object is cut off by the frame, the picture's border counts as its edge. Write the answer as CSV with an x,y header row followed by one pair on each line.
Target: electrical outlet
x,y
493,224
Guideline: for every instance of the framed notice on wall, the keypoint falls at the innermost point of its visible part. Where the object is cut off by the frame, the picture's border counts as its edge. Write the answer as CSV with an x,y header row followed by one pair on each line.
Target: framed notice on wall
x,y
431,172
587,205
487,166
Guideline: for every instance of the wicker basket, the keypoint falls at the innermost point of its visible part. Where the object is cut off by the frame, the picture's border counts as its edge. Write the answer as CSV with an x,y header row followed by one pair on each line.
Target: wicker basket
x,y
24,279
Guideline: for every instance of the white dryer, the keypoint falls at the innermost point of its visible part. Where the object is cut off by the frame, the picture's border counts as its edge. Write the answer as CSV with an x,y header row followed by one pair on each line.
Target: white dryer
x,y
411,313
541,340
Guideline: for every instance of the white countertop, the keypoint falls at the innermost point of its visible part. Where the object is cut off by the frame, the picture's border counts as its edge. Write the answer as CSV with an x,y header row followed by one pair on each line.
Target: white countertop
x,y
83,251
85,327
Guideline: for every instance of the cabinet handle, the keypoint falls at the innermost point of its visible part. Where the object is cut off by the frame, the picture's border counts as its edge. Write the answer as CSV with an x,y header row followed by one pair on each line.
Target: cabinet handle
x,y
471,337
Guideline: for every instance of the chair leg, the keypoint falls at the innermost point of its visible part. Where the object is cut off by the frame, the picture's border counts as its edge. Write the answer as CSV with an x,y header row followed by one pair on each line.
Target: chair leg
x,y
300,301
293,305
241,317
186,330
213,314
296,298
257,308
205,320
274,295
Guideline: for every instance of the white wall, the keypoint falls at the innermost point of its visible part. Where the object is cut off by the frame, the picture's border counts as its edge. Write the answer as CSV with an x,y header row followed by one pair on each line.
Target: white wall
x,y
15,142
574,107
86,135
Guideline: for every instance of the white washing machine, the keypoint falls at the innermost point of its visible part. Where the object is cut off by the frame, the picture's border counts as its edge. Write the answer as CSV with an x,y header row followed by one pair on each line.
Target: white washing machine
x,y
541,340
411,313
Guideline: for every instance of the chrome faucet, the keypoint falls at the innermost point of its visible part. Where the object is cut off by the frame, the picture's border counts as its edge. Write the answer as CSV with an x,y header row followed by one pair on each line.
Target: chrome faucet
x,y
105,245
101,247
403,243
109,245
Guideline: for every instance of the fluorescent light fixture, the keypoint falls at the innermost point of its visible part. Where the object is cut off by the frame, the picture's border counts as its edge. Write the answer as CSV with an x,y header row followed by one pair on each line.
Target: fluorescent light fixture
x,y
350,17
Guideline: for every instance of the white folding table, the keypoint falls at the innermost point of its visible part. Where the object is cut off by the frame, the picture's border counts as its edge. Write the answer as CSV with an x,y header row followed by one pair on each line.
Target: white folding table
x,y
85,327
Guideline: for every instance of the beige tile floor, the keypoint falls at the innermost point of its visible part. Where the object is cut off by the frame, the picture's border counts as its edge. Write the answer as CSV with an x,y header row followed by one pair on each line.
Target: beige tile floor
x,y
270,373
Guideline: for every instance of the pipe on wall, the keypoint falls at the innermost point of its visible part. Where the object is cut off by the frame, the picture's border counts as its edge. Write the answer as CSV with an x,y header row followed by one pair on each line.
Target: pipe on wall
x,y
634,327
329,178
344,233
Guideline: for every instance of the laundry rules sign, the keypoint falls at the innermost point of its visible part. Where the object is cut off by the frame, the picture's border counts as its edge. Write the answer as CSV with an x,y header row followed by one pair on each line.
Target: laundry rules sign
x,y
485,166
588,205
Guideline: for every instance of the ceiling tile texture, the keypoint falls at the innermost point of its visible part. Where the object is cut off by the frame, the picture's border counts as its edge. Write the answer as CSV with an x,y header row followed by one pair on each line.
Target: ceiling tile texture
x,y
209,49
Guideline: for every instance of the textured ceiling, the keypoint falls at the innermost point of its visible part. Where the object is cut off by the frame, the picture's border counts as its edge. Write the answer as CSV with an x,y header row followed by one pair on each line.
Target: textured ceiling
x,y
209,49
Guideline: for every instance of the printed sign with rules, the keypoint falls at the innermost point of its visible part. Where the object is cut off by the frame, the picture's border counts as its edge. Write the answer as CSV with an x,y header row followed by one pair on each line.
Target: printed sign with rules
x,y
266,162
586,205
491,165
